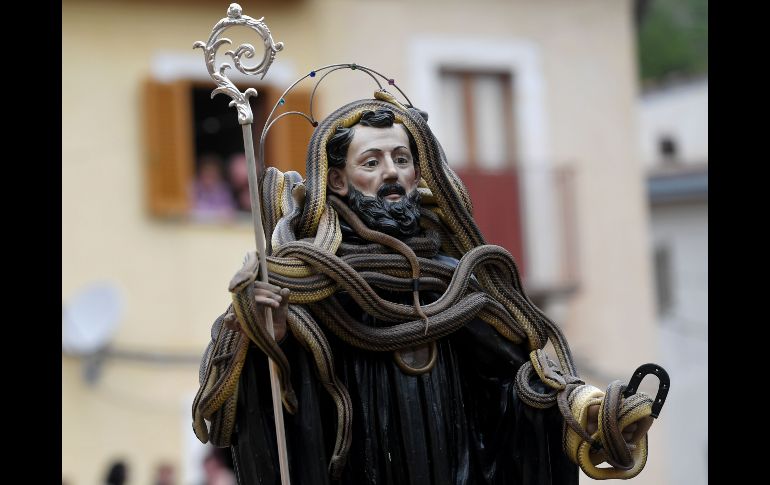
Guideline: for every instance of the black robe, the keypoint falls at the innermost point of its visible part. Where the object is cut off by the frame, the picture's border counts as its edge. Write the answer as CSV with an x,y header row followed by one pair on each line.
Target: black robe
x,y
461,423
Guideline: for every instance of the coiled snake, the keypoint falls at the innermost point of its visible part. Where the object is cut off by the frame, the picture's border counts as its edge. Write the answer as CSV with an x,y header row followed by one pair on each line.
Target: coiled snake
x,y
306,254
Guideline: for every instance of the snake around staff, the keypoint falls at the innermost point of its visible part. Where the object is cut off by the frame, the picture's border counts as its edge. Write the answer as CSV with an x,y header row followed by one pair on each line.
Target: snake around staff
x,y
307,255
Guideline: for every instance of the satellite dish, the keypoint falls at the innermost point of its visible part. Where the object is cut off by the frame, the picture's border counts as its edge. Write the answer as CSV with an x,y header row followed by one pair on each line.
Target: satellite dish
x,y
91,318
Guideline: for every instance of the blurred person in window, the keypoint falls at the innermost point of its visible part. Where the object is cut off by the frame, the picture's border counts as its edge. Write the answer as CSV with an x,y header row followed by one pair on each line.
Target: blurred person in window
x,y
238,174
212,199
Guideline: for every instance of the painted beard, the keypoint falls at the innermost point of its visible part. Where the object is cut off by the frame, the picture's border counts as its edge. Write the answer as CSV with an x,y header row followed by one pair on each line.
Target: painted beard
x,y
399,219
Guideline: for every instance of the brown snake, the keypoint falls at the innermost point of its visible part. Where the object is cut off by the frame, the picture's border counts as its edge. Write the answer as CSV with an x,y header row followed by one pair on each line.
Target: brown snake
x,y
306,254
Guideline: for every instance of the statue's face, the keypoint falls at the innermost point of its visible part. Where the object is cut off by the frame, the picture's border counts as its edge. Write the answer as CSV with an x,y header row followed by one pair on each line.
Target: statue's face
x,y
376,156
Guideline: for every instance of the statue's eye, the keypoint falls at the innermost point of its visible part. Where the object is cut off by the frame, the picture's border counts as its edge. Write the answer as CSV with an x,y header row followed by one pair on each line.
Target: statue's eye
x,y
402,160
371,163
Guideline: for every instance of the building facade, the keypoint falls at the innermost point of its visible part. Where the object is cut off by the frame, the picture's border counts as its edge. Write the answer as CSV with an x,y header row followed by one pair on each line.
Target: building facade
x,y
565,72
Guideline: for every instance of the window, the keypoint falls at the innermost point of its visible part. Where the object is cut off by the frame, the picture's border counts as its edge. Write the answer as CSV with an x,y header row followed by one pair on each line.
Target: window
x,y
479,131
194,147
478,137
663,281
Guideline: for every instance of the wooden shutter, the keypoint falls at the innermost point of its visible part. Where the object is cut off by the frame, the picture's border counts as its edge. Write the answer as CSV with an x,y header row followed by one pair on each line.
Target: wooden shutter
x,y
286,143
168,123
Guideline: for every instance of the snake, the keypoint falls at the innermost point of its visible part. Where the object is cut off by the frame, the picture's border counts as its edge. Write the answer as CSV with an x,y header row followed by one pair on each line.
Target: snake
x,y
220,372
306,253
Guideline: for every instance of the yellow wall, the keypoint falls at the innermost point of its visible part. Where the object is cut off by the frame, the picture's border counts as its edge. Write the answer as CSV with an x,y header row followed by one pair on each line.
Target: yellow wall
x,y
175,275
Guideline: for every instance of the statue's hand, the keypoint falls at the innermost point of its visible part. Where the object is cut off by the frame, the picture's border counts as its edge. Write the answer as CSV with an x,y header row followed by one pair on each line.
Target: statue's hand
x,y
276,298
265,295
593,424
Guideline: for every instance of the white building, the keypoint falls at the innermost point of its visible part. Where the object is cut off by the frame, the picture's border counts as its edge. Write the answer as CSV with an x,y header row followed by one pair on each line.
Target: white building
x,y
674,148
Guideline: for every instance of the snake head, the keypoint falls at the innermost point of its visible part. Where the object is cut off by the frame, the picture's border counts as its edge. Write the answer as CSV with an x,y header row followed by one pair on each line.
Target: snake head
x,y
298,193
247,274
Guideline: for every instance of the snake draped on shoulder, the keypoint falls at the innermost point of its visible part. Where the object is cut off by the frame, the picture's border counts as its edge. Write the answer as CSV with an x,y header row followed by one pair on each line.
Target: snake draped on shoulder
x,y
493,409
